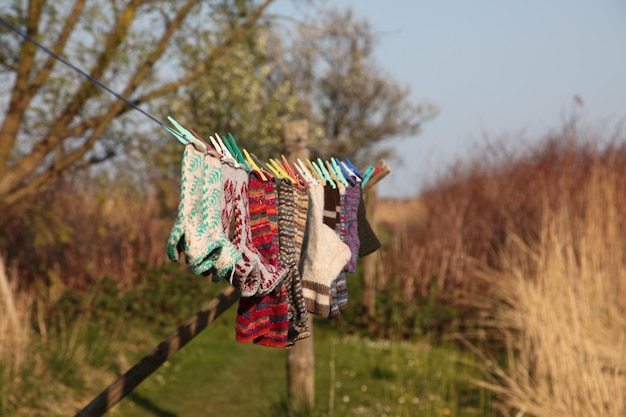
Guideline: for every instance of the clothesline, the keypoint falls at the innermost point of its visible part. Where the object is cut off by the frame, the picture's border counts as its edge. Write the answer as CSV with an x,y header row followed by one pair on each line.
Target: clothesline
x,y
319,171
283,234
298,227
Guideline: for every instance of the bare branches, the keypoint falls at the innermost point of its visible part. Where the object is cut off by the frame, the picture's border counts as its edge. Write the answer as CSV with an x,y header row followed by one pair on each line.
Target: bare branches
x,y
214,55
32,170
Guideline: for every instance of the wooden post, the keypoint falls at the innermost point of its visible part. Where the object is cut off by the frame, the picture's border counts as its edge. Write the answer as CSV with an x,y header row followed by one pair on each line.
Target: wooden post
x,y
165,350
301,357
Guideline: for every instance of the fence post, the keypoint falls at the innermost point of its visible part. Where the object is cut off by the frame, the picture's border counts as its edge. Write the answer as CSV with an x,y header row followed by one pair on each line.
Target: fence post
x,y
301,357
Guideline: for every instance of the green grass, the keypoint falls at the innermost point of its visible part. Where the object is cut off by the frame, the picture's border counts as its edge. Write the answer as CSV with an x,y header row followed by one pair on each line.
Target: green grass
x,y
92,339
215,375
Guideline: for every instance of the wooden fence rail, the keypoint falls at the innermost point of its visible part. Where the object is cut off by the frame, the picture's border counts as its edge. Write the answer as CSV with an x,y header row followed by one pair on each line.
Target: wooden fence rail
x,y
165,350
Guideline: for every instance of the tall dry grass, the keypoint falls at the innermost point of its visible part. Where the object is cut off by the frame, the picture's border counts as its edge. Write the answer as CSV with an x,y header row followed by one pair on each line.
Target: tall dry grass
x,y
531,251
467,218
14,334
562,307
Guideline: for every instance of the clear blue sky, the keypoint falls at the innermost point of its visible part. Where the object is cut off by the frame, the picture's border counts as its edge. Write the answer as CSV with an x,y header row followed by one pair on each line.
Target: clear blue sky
x,y
507,69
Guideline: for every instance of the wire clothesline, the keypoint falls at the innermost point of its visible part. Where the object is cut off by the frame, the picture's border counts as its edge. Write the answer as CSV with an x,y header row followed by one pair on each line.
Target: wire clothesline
x,y
80,71
179,133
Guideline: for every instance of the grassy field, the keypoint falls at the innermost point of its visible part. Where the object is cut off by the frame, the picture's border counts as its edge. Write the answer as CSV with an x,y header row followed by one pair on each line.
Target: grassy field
x,y
521,259
215,375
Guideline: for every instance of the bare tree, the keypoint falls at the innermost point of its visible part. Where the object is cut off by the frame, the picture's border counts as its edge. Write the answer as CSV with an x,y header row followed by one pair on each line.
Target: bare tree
x,y
53,121
354,106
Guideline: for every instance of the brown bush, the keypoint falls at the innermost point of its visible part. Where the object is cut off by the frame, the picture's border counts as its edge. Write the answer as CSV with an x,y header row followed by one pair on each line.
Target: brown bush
x,y
471,215
72,235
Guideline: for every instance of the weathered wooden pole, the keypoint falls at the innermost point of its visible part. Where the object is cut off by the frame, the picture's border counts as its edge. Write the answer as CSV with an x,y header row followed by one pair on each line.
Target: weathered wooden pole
x,y
301,357
165,350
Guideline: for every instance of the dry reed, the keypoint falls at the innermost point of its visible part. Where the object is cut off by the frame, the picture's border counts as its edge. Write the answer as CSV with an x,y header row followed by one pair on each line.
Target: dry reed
x,y
562,310
14,328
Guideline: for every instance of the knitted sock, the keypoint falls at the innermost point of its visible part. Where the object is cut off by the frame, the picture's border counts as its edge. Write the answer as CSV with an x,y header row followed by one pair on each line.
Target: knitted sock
x,y
253,276
275,331
324,256
340,208
331,204
196,228
298,314
301,197
227,205
351,233
263,319
271,202
222,266
301,325
339,287
368,241
260,228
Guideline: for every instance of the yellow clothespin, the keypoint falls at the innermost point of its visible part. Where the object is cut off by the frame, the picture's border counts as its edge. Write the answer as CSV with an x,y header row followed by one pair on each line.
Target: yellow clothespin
x,y
254,165
315,172
274,171
332,173
281,171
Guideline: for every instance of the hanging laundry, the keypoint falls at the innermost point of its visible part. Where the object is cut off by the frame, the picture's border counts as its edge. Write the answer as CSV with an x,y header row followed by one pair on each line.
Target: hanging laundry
x,y
289,255
324,256
264,319
285,239
196,231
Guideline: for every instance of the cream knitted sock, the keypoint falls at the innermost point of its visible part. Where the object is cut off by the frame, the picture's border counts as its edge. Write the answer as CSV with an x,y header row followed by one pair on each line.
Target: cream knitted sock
x,y
196,229
324,256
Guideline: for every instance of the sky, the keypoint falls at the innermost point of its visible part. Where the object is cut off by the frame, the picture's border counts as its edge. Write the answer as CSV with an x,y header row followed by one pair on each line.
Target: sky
x,y
503,70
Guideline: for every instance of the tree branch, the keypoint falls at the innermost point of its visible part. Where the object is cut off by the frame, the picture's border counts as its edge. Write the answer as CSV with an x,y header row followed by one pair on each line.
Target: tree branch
x,y
28,163
19,99
60,130
70,23
215,54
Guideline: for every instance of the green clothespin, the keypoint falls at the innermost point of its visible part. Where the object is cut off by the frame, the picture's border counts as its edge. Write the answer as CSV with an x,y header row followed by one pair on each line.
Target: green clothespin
x,y
325,172
187,134
238,154
338,171
177,135
318,171
367,175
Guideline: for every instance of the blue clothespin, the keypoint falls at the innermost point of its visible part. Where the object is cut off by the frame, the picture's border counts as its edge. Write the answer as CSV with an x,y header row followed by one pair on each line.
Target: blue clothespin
x,y
353,168
349,173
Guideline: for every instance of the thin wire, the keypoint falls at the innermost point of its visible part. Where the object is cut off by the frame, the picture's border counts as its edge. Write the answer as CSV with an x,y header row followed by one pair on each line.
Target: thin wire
x,y
80,71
